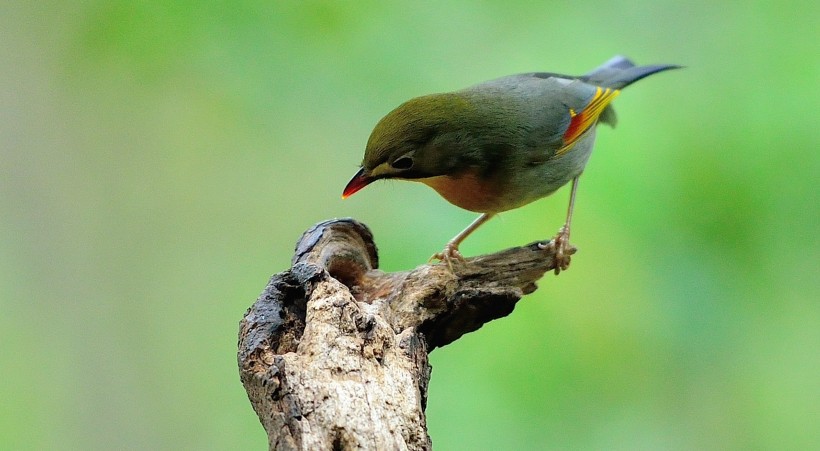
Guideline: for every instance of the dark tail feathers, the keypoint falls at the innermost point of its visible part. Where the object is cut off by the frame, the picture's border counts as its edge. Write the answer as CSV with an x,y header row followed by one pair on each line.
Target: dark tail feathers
x,y
619,72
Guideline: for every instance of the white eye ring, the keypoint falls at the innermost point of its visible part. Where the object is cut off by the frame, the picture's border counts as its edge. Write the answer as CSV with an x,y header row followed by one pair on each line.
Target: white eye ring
x,y
402,163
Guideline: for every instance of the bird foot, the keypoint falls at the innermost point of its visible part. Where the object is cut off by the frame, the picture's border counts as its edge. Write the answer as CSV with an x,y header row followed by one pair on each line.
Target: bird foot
x,y
561,248
448,255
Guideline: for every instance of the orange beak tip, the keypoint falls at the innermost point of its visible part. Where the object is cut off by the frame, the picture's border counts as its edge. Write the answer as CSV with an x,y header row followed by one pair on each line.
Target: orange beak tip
x,y
359,181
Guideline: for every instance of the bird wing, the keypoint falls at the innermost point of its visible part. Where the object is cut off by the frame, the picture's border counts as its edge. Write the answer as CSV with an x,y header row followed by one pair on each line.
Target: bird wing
x,y
581,121
557,109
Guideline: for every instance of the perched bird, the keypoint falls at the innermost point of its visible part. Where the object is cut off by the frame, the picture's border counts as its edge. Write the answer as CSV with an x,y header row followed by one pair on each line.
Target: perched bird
x,y
500,144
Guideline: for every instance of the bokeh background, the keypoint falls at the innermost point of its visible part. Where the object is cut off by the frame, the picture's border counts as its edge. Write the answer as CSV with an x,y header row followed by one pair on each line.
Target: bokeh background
x,y
158,161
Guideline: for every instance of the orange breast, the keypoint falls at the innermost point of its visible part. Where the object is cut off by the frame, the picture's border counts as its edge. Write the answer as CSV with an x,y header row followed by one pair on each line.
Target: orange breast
x,y
468,192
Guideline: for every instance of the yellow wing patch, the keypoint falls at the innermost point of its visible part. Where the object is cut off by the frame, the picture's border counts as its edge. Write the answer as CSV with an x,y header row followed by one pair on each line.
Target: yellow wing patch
x,y
581,122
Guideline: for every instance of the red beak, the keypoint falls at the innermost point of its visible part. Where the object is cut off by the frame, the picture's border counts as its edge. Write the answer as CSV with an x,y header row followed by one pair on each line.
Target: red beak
x,y
358,182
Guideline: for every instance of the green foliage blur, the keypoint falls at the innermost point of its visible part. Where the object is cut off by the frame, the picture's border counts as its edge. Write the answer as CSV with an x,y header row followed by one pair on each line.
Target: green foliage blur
x,y
158,161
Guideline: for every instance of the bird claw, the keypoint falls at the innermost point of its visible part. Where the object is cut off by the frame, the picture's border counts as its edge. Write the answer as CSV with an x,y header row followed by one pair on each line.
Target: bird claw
x,y
448,255
562,250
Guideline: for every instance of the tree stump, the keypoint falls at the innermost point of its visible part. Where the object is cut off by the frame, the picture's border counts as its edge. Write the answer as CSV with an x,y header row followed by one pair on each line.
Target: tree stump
x,y
333,353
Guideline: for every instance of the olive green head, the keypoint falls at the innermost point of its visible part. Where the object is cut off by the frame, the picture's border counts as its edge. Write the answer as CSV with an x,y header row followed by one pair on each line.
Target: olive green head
x,y
401,144
415,140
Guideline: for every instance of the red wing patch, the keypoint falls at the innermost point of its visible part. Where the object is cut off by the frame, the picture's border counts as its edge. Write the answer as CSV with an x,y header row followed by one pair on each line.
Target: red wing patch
x,y
581,122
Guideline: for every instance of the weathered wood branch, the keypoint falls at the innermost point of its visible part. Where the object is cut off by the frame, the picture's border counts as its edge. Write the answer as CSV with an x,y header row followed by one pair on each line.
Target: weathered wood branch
x,y
333,354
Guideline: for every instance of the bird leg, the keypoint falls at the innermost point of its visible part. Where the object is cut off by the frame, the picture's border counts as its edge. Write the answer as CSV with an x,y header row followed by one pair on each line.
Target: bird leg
x,y
450,251
560,244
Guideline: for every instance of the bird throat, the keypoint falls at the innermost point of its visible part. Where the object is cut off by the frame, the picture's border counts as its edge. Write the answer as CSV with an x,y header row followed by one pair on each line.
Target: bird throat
x,y
468,191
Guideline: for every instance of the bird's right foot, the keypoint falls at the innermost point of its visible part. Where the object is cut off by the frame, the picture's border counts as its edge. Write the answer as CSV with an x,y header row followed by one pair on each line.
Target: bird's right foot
x,y
448,255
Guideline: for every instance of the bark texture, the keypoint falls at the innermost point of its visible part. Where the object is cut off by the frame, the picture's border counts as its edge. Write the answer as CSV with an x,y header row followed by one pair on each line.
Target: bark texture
x,y
333,353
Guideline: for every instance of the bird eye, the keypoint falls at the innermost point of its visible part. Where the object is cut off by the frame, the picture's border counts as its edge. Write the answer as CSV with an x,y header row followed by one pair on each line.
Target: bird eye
x,y
402,163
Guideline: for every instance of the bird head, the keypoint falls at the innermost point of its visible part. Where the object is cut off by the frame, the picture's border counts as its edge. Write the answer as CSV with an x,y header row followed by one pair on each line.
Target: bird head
x,y
411,142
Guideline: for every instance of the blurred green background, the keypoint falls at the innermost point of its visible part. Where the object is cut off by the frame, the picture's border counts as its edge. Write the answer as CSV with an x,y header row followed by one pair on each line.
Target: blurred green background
x,y
158,161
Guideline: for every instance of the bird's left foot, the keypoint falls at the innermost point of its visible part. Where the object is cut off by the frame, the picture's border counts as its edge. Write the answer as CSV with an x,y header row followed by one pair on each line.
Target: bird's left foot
x,y
448,255
561,248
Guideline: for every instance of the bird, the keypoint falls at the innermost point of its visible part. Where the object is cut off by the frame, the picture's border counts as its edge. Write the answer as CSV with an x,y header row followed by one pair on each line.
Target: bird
x,y
501,144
